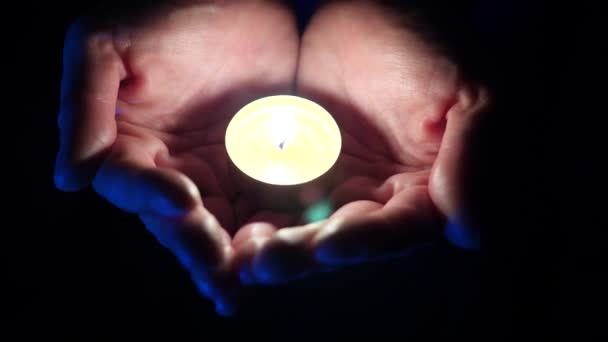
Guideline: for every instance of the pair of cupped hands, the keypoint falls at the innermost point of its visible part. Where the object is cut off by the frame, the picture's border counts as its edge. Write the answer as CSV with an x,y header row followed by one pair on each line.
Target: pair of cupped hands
x,y
146,98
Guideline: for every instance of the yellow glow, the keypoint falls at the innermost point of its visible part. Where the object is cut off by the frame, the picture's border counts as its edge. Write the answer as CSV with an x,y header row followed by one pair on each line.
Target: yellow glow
x,y
283,140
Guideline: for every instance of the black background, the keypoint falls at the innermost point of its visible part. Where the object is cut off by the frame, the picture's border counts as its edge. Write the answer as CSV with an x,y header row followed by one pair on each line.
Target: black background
x,y
78,267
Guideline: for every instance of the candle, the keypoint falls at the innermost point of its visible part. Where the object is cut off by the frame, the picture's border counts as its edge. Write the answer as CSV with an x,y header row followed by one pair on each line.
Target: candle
x,y
283,140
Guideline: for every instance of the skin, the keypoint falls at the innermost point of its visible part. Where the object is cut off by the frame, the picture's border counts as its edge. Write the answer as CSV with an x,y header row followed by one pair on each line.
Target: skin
x,y
391,89
145,105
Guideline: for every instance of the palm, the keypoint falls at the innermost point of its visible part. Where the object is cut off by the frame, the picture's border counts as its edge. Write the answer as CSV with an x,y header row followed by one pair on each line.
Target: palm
x,y
190,72
186,70
389,92
392,94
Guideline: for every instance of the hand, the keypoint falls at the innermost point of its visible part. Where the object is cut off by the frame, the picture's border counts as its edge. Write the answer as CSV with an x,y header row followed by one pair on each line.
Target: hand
x,y
405,111
145,103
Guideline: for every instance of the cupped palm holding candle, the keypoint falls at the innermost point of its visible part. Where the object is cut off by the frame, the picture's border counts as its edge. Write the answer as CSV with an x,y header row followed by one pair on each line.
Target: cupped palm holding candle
x,y
145,117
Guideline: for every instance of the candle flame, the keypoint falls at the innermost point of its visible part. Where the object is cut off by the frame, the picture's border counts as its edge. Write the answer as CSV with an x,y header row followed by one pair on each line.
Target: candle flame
x,y
282,126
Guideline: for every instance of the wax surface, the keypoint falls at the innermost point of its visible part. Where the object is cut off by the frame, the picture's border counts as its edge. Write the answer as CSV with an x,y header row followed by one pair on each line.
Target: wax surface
x,y
283,140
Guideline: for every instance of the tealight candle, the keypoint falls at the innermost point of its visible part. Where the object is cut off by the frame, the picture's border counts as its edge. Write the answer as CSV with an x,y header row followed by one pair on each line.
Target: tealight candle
x,y
283,140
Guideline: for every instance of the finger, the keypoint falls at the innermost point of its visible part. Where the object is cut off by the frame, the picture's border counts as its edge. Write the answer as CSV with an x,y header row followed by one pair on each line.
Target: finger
x,y
129,179
251,231
251,237
447,175
170,206
407,220
367,231
247,242
281,257
451,159
203,248
92,72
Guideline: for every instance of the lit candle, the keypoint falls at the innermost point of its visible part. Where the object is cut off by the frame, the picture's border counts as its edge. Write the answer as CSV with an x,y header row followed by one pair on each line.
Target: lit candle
x,y
283,140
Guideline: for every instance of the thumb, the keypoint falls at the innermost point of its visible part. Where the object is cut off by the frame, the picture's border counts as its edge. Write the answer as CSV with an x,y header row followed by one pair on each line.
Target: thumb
x,y
447,175
92,72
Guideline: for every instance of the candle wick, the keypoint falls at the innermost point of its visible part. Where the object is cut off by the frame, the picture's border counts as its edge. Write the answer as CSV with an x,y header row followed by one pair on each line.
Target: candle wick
x,y
282,144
